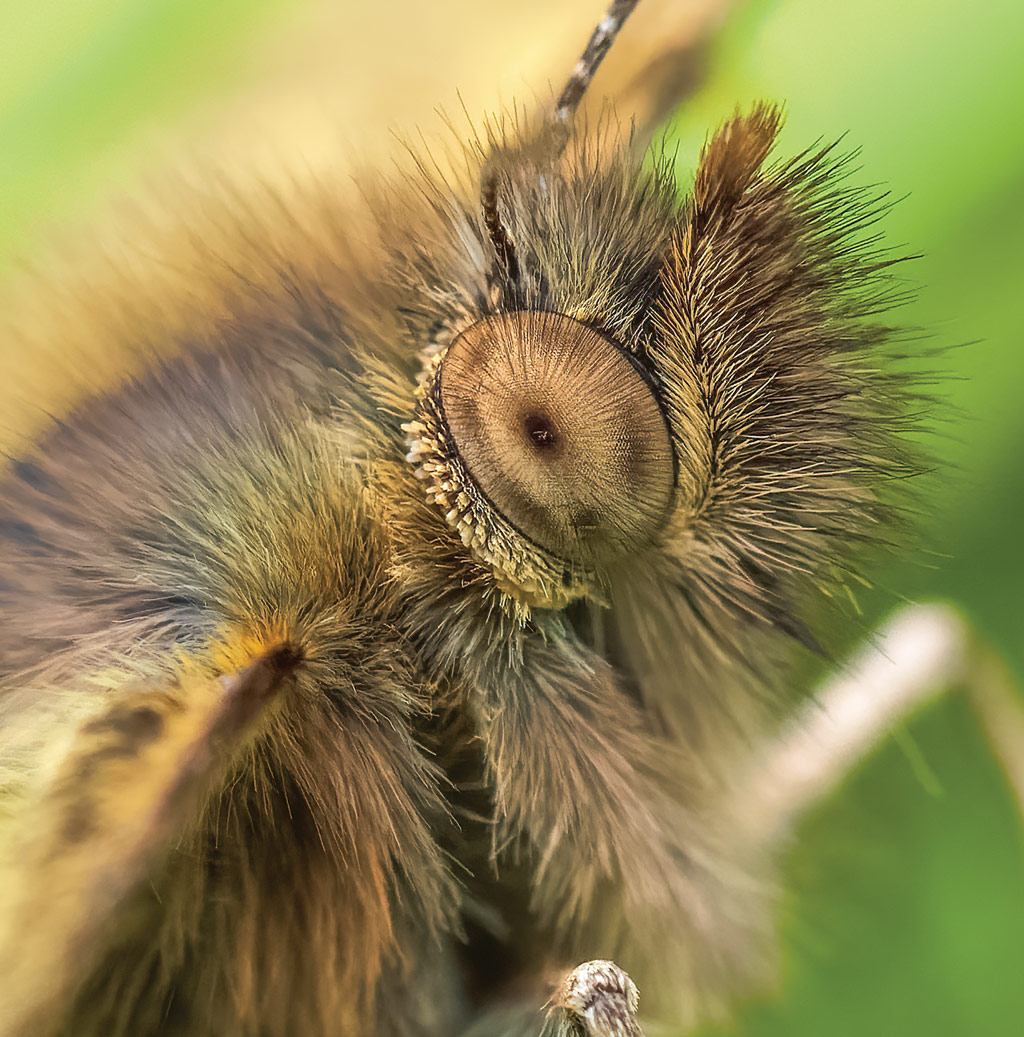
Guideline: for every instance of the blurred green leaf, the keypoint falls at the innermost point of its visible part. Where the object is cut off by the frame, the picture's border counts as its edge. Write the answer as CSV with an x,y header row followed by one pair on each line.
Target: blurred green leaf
x,y
81,82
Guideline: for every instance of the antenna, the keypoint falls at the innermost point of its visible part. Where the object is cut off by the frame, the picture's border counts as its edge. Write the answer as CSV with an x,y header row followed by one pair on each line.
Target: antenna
x,y
558,129
600,41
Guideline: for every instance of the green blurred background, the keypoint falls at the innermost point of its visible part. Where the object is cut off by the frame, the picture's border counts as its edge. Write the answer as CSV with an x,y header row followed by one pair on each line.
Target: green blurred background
x,y
904,909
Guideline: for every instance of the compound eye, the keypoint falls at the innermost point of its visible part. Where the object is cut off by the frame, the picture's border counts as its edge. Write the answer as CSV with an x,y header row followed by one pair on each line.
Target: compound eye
x,y
561,431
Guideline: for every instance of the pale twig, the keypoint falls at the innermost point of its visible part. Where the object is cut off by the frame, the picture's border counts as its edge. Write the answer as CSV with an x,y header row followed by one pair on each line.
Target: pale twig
x,y
921,652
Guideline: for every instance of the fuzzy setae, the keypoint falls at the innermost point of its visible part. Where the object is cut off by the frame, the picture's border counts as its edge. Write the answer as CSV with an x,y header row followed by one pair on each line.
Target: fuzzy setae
x,y
395,645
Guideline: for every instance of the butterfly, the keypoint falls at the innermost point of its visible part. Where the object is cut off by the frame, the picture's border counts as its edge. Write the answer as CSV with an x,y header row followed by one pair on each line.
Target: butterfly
x,y
392,659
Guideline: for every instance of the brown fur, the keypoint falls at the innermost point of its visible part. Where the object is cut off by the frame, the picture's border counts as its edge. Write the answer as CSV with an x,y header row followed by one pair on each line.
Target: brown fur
x,y
255,491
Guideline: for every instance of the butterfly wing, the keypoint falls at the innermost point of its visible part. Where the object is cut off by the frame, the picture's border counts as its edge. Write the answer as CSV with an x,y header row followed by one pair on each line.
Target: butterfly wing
x,y
134,776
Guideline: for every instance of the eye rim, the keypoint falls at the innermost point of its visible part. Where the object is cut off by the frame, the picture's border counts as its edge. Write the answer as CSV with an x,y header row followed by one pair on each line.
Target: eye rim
x,y
523,566
636,367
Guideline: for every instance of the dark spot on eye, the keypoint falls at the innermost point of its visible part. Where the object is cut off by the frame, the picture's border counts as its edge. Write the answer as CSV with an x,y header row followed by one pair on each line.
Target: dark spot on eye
x,y
541,431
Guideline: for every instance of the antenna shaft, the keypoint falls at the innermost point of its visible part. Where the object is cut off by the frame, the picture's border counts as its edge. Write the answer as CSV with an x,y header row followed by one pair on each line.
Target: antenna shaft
x,y
600,41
